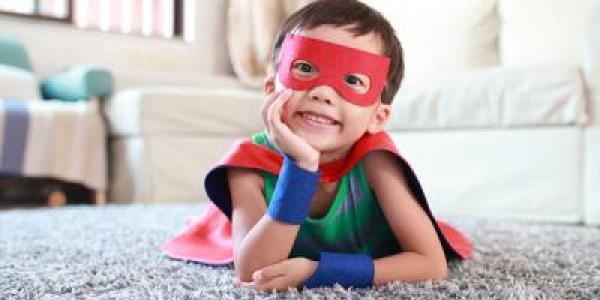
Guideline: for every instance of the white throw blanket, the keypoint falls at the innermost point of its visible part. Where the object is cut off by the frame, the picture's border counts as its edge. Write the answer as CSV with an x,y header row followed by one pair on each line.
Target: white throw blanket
x,y
53,139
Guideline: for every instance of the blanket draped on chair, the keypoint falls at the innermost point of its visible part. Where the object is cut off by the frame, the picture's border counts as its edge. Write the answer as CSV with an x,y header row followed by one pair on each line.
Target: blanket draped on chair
x,y
53,139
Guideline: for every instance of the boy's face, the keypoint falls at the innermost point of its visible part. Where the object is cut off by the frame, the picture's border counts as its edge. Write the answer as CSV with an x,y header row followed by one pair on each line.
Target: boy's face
x,y
320,114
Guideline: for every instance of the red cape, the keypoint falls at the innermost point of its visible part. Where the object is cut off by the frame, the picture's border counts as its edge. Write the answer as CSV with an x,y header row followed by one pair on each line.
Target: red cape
x,y
208,239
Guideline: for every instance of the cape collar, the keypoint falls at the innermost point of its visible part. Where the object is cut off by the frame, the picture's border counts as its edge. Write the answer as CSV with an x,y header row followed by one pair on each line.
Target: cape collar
x,y
248,154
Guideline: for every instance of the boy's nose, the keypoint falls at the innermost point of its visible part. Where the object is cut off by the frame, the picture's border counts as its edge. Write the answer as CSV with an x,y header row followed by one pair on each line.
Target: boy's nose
x,y
323,93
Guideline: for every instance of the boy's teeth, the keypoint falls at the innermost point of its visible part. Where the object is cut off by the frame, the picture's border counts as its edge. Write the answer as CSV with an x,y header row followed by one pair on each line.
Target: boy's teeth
x,y
318,119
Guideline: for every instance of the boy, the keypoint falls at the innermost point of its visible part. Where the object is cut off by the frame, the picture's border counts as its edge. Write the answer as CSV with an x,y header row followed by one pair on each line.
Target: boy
x,y
324,197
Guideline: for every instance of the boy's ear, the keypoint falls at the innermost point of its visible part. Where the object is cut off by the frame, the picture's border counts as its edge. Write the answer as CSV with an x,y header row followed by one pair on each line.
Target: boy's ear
x,y
269,83
380,117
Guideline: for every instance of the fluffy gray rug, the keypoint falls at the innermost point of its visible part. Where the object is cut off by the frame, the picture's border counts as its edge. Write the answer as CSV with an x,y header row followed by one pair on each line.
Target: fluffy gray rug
x,y
111,253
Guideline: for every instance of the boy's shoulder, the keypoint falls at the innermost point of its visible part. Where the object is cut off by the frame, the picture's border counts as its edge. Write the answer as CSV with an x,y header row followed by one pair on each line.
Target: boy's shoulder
x,y
379,163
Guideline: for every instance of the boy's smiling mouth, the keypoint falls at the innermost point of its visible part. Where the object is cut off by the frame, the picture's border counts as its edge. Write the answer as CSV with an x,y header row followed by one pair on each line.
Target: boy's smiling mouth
x,y
315,119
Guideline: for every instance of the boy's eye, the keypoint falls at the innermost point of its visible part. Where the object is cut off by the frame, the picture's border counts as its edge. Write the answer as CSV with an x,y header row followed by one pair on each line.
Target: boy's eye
x,y
358,82
304,67
352,79
304,70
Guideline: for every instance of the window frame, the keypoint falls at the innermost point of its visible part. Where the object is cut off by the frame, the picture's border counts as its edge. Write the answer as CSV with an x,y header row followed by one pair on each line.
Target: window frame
x,y
68,19
178,19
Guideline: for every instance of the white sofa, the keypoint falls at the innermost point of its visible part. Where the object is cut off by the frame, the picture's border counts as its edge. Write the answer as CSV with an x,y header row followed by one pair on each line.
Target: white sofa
x,y
498,114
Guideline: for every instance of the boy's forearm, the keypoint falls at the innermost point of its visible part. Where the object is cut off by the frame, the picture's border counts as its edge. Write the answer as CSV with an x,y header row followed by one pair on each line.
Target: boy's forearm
x,y
272,237
268,242
409,267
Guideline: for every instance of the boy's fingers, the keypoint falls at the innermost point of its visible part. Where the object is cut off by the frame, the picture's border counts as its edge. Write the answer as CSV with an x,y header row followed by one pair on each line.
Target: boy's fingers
x,y
271,100
265,107
269,272
280,284
277,102
274,111
278,105
243,284
265,286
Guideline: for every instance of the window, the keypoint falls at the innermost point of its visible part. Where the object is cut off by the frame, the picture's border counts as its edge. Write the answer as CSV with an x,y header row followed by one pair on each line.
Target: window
x,y
46,9
158,18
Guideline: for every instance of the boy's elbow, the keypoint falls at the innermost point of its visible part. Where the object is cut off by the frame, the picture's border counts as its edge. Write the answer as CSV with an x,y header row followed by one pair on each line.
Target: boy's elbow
x,y
244,267
440,272
243,270
438,267
243,275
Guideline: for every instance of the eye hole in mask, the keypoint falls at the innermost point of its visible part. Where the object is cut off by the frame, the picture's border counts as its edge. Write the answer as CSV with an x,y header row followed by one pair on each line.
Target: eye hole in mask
x,y
304,70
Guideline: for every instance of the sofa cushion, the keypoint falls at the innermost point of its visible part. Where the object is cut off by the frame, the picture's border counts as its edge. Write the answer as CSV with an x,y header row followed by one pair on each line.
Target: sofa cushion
x,y
496,97
443,37
183,111
18,84
542,31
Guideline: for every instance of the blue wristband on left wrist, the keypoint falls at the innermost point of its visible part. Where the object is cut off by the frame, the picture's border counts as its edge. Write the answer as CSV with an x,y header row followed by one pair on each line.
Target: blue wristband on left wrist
x,y
347,270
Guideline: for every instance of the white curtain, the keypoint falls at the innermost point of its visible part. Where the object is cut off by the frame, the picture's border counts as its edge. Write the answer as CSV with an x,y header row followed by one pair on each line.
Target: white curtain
x,y
252,27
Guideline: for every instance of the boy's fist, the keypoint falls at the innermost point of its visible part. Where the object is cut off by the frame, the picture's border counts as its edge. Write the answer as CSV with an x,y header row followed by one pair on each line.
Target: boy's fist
x,y
290,273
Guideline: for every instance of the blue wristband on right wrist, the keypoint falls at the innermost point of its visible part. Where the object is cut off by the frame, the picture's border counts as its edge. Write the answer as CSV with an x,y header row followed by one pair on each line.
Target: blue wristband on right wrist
x,y
347,270
293,193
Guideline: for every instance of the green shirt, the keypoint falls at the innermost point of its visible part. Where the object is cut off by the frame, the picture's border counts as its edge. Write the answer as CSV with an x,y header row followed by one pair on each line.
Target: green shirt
x,y
353,224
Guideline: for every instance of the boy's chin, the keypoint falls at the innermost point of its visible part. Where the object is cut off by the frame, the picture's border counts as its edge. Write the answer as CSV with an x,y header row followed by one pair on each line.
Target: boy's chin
x,y
323,145
320,143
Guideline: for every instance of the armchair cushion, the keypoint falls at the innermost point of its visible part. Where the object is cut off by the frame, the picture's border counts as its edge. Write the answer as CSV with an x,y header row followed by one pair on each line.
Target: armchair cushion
x,y
77,83
18,84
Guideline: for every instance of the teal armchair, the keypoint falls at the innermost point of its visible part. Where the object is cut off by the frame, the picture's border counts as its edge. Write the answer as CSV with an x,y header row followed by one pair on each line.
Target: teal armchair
x,y
13,54
71,84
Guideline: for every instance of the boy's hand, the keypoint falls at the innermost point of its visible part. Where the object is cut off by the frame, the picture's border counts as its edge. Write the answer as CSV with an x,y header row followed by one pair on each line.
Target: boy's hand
x,y
290,273
304,155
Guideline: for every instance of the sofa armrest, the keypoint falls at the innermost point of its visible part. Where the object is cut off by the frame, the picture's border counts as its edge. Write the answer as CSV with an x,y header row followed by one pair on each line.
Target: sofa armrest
x,y
18,84
184,111
78,83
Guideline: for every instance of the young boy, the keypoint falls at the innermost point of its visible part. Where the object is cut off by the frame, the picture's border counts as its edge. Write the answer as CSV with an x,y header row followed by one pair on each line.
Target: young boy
x,y
323,197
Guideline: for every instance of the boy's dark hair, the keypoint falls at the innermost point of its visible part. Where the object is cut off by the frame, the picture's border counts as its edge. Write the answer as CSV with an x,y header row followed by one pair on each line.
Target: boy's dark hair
x,y
365,20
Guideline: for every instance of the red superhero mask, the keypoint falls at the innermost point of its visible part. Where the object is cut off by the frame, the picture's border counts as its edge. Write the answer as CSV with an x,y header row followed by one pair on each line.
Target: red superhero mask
x,y
334,63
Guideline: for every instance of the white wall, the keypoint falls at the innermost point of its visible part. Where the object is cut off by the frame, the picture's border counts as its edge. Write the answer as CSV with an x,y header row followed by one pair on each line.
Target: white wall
x,y
53,45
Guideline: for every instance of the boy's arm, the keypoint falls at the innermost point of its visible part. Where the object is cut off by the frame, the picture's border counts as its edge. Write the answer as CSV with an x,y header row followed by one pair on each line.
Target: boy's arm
x,y
422,256
258,240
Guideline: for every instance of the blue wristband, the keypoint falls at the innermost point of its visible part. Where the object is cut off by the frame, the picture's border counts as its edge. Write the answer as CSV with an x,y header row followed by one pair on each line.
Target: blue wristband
x,y
293,193
348,270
